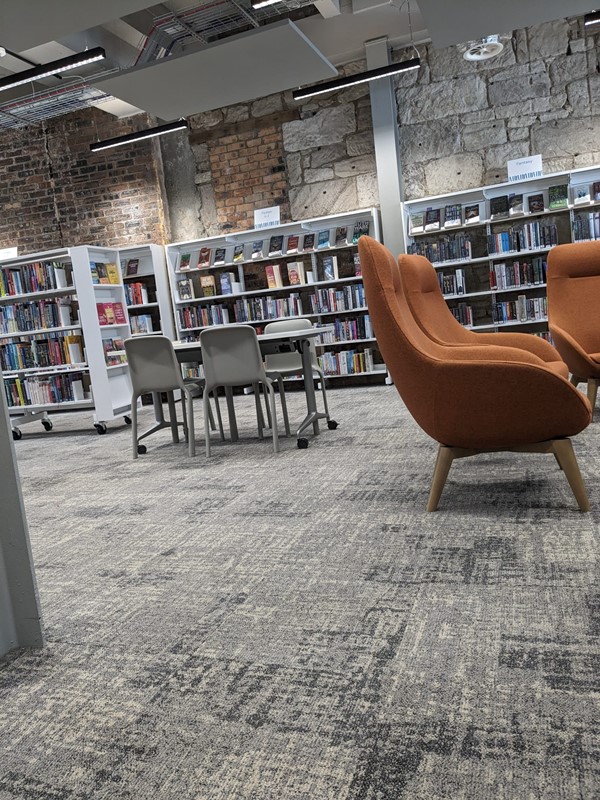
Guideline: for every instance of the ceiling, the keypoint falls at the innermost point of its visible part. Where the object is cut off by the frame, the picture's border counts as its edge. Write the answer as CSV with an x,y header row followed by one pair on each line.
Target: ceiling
x,y
178,57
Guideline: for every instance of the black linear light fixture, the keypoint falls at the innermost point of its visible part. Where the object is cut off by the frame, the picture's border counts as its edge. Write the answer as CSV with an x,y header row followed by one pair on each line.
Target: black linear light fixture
x,y
360,77
44,70
160,130
593,18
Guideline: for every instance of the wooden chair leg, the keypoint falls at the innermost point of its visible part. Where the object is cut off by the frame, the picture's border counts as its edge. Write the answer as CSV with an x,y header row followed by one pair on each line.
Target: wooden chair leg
x,y
592,391
444,460
563,449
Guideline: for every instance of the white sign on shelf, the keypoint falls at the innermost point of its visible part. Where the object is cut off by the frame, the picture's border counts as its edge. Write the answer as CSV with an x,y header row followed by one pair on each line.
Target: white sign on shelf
x,y
267,217
522,169
8,252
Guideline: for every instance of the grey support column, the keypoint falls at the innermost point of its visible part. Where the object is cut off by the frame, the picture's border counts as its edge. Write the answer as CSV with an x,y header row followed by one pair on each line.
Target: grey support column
x,y
387,150
20,624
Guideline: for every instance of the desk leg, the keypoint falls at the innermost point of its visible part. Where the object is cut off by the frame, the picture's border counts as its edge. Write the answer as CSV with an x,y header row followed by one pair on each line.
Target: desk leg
x,y
313,416
231,413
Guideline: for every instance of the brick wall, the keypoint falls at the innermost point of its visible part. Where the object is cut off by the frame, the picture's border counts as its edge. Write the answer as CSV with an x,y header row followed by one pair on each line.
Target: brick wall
x,y
55,192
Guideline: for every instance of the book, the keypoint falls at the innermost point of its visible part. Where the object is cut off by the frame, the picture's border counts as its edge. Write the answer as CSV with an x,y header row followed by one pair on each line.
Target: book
x,y
416,222
207,284
219,256
238,253
535,203
226,282
119,313
357,265
204,256
341,236
273,273
361,228
308,242
499,207
131,267
323,239
558,196
330,268
296,275
112,272
101,272
102,316
432,219
581,194
460,283
275,246
472,214
94,271
185,289
257,249
452,215
184,260
515,204
292,244
596,191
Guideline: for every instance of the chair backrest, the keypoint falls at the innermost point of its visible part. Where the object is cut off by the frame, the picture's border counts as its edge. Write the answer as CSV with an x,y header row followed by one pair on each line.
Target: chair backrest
x,y
426,301
573,278
152,364
285,362
231,356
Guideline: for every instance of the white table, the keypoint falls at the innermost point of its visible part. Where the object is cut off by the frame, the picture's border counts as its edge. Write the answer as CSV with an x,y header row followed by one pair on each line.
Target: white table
x,y
284,342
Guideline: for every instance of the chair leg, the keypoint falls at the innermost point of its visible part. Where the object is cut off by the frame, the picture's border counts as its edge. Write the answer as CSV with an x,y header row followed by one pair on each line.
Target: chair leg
x,y
268,410
444,460
260,420
323,389
191,437
134,424
563,449
184,414
173,416
219,418
211,419
283,401
205,402
592,391
271,392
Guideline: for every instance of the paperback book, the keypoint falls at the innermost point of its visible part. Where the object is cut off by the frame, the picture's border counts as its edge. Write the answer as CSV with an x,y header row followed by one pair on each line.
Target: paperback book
x,y
204,256
596,191
219,256
227,280
535,203
558,196
131,267
341,237
323,239
499,207
472,214
207,284
416,222
357,266
432,219
275,246
185,288
257,249
273,273
581,194
184,260
452,215
238,253
361,228
296,275
308,242
515,204
330,268
292,244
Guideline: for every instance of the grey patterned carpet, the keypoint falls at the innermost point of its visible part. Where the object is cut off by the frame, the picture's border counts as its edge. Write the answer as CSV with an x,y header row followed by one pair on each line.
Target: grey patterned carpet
x,y
296,627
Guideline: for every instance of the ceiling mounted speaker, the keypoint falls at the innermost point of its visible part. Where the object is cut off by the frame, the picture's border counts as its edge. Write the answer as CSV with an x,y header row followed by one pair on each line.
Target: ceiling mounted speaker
x,y
487,48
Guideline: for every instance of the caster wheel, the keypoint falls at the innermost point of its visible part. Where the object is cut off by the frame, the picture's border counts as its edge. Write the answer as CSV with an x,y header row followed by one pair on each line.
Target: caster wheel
x,y
100,427
302,444
127,420
332,424
47,424
141,449
17,434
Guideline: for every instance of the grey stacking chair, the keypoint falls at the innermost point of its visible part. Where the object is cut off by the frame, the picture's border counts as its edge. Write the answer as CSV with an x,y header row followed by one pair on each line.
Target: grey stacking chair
x,y
231,357
280,365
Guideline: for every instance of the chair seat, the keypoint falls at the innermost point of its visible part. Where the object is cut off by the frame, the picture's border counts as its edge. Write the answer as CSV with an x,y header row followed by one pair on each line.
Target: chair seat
x,y
595,357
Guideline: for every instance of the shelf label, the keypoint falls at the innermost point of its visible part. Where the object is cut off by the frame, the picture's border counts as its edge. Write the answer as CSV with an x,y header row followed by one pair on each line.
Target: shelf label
x,y
267,217
522,169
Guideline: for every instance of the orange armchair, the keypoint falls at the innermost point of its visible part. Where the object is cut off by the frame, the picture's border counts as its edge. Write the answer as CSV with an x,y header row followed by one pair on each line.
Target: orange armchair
x,y
426,301
573,278
470,399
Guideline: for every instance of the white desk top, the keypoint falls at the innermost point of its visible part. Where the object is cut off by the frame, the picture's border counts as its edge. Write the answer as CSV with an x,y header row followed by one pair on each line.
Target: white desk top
x,y
285,336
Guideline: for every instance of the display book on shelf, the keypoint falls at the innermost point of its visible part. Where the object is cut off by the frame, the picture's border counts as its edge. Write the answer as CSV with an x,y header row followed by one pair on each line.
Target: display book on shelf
x,y
309,268
489,245
63,319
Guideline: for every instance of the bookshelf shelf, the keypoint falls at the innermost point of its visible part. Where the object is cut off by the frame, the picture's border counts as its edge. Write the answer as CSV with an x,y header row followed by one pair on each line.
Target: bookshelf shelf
x,y
140,306
47,370
534,223
20,298
40,331
148,283
327,274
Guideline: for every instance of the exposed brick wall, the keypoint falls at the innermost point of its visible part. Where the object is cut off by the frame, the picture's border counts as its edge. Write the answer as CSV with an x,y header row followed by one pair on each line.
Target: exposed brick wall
x,y
248,172
55,192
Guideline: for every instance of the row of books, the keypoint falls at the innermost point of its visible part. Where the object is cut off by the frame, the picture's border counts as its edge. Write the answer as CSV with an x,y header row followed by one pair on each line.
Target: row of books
x,y
51,351
34,315
227,284
104,273
530,236
34,391
453,215
111,313
253,309
463,313
523,309
453,283
346,330
347,362
136,294
449,248
114,351
141,323
203,316
517,274
584,193
586,226
39,276
324,301
250,251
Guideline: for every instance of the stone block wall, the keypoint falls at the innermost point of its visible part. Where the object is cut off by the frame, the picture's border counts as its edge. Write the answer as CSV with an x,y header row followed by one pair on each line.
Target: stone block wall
x,y
461,121
55,192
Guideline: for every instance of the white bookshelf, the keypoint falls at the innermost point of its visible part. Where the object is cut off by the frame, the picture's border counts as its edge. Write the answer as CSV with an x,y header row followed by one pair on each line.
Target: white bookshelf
x,y
149,271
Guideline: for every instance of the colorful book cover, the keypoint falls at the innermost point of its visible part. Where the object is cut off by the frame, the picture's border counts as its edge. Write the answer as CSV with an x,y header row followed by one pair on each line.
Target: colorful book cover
x,y
270,273
225,281
416,222
452,215
102,273
238,253
119,313
432,219
330,269
94,271
184,260
308,243
219,256
357,265
293,274
275,246
112,272
361,228
257,249
207,282
292,244
499,207
185,289
322,239
471,214
535,203
341,237
101,309
131,267
558,196
204,256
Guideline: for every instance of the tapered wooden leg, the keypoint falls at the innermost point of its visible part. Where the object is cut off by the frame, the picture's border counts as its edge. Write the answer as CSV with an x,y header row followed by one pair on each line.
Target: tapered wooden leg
x,y
592,390
563,450
444,460
575,380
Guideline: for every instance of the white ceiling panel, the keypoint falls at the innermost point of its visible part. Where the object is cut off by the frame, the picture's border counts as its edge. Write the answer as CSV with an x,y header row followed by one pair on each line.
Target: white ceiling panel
x,y
463,20
254,64
28,23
